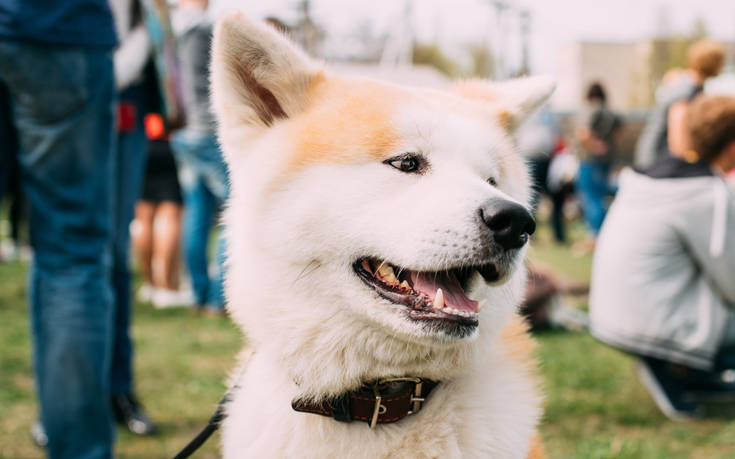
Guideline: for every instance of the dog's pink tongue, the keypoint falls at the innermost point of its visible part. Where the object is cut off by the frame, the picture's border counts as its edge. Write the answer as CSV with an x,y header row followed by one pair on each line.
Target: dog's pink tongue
x,y
454,296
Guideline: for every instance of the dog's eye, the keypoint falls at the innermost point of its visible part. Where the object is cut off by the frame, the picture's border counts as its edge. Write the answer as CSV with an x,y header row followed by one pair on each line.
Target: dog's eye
x,y
492,181
406,163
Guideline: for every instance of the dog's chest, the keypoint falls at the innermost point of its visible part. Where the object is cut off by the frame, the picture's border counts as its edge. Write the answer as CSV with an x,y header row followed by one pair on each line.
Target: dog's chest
x,y
494,417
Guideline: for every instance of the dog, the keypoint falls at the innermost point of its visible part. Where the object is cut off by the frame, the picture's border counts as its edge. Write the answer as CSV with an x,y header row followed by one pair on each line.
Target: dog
x,y
375,244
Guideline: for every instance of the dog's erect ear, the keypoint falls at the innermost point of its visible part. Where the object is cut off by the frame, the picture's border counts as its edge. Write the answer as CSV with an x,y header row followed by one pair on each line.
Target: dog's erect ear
x,y
515,99
258,76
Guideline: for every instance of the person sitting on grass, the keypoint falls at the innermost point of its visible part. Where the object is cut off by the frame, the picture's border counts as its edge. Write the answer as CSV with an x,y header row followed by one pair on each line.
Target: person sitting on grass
x,y
663,278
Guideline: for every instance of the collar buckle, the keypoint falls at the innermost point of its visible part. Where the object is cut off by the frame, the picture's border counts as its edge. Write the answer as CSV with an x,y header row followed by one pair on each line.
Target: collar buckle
x,y
416,397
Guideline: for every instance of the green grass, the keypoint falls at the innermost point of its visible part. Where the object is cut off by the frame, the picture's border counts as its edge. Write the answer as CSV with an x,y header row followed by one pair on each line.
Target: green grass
x,y
181,365
595,406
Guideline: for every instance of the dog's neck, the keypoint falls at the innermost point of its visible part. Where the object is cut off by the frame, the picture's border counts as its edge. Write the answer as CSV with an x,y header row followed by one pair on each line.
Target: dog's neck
x,y
325,368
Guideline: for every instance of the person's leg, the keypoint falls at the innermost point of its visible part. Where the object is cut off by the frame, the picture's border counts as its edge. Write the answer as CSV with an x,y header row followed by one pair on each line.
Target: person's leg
x,y
557,216
167,245
726,356
62,102
199,208
592,200
143,238
8,146
215,175
129,169
539,168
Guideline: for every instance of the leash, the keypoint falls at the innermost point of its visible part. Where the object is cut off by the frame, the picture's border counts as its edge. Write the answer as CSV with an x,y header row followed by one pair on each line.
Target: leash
x,y
207,431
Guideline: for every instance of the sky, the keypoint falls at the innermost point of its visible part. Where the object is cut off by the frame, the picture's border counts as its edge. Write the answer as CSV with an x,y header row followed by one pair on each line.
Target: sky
x,y
554,23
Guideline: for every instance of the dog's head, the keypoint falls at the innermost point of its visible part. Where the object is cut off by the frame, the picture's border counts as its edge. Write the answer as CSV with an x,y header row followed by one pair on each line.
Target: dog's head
x,y
364,206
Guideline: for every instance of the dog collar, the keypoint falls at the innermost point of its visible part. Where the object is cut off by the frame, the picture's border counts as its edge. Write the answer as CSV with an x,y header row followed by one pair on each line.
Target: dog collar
x,y
379,402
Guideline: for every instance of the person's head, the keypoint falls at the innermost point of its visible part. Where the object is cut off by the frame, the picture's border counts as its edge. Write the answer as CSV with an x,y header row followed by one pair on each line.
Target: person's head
x,y
712,130
705,58
596,93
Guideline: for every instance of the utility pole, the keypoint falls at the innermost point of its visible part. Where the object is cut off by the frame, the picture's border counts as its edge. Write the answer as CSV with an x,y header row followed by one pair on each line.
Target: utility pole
x,y
398,49
525,25
500,8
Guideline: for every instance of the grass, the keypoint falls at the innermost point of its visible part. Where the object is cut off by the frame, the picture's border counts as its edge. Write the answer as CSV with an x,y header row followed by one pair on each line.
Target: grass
x,y
595,406
181,366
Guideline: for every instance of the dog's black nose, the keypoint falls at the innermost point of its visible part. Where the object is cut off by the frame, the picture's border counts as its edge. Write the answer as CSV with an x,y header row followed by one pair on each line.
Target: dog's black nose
x,y
510,223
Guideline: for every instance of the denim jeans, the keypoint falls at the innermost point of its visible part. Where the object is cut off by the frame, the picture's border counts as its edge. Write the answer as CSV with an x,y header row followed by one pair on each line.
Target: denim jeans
x,y
592,190
204,187
128,169
61,104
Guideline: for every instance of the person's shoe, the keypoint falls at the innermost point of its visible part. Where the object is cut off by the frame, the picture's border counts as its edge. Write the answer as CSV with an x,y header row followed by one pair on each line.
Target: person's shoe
x,y
129,412
667,389
213,311
712,387
38,435
164,298
145,293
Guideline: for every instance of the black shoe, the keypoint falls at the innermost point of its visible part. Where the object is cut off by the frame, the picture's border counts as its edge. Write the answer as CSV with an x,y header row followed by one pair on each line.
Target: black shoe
x,y
712,387
668,389
129,412
38,435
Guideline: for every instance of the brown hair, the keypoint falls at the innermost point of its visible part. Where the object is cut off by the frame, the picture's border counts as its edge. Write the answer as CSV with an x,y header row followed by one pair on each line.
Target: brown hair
x,y
711,125
706,57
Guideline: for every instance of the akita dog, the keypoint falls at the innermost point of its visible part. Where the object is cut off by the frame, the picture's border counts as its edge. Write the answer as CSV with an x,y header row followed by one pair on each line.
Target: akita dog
x,y
376,237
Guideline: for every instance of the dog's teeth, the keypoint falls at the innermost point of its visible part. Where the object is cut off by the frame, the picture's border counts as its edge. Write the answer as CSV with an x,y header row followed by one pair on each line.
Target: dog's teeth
x,y
386,272
439,299
405,285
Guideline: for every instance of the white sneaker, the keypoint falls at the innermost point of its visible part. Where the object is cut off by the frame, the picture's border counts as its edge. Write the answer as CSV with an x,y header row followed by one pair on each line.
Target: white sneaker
x,y
145,293
164,298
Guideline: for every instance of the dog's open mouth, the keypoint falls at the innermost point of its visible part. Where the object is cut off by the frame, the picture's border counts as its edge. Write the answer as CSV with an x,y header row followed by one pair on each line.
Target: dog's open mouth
x,y
429,295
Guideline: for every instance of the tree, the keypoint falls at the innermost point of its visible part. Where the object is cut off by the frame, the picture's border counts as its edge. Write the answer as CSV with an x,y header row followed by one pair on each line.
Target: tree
x,y
432,55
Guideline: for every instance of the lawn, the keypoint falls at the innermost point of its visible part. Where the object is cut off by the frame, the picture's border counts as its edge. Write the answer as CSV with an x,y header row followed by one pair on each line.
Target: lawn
x,y
595,407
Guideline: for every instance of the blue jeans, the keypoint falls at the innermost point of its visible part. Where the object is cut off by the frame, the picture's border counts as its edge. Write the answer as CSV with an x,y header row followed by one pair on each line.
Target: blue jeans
x,y
61,104
204,187
592,190
129,168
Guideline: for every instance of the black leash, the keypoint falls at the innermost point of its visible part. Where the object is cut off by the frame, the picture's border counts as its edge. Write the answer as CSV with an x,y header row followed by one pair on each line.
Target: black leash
x,y
207,431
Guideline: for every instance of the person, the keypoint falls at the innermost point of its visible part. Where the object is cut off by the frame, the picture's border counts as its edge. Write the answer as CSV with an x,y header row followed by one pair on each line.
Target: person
x,y
131,60
538,139
13,249
56,71
596,135
662,279
202,171
157,226
665,132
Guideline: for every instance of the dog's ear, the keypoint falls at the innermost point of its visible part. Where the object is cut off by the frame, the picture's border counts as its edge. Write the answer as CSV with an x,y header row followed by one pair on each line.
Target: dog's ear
x,y
258,75
515,100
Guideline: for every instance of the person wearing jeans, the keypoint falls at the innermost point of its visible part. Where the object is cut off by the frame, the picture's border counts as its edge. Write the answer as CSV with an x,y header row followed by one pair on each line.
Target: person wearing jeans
x,y
203,179
202,171
56,71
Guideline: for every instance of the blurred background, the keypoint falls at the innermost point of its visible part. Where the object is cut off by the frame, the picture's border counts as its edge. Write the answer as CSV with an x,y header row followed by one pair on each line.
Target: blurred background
x,y
185,347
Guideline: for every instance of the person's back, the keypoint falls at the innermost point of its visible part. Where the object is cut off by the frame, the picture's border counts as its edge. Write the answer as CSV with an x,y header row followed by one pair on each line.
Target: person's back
x,y
662,280
193,49
652,145
665,130
653,263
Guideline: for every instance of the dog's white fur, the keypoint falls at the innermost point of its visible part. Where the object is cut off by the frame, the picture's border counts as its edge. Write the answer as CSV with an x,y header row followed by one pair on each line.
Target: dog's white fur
x,y
307,200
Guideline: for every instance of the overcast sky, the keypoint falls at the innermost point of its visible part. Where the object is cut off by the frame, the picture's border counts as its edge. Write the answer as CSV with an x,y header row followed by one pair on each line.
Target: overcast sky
x,y
452,23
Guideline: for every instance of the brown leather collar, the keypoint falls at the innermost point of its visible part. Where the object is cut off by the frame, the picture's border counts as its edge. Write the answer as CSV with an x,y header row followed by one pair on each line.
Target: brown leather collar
x,y
380,402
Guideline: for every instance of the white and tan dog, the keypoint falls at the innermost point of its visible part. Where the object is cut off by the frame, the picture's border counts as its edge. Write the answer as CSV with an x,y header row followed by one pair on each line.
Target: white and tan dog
x,y
363,217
